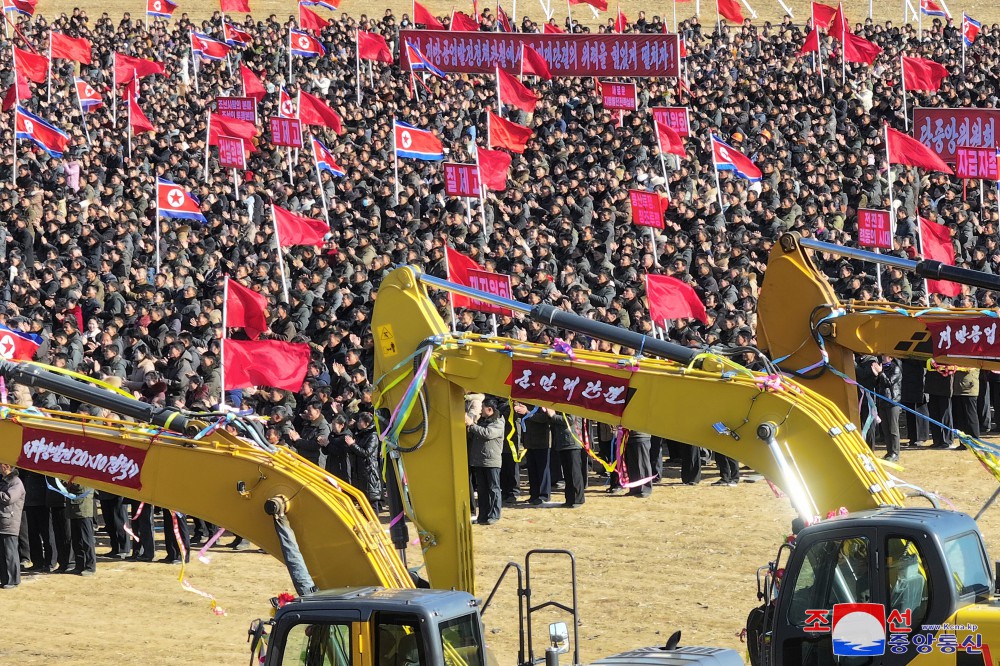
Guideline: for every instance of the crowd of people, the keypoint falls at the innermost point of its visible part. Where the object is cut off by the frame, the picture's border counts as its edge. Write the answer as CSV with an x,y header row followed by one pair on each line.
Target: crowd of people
x,y
116,293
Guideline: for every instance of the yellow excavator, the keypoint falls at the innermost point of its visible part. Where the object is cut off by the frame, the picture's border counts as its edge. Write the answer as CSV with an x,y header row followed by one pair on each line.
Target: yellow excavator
x,y
925,565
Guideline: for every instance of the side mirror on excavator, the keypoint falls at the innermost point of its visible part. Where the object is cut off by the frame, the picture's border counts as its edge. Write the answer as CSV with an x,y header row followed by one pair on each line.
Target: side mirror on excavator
x,y
559,637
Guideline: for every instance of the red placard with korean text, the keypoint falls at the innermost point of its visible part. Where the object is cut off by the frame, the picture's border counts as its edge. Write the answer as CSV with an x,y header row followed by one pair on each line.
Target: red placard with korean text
x,y
461,180
977,163
286,132
875,228
944,130
647,208
81,457
533,381
232,153
497,284
674,117
240,108
620,96
975,337
609,55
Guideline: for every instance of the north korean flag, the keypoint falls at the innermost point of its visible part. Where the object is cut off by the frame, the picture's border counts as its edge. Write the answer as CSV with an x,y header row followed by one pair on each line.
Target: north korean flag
x,y
160,8
46,136
332,5
18,346
728,158
324,159
416,143
26,7
970,29
89,98
286,108
174,201
305,45
234,35
208,48
933,8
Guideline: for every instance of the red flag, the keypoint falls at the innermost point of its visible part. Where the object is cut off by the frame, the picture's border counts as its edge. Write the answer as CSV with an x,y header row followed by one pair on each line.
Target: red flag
x,y
596,4
461,22
34,67
838,26
459,266
252,86
669,140
223,126
70,48
859,49
314,111
127,67
730,10
670,298
507,134
294,229
494,166
372,46
621,21
422,16
18,91
552,29
906,150
533,63
682,42
515,93
242,6
922,74
811,45
265,363
245,309
935,244
310,20
136,118
26,7
823,15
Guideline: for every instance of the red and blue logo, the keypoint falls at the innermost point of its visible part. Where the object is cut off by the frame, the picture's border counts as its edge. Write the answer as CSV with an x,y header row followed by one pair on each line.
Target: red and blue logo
x,y
858,630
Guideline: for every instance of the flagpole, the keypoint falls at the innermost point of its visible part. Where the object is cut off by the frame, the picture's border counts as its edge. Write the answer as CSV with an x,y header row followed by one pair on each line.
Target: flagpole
x,y
50,68
482,196
902,76
499,102
521,75
156,235
83,115
222,343
129,102
718,185
447,272
291,160
319,179
395,157
963,44
208,141
281,258
357,61
194,66
513,16
114,91
289,54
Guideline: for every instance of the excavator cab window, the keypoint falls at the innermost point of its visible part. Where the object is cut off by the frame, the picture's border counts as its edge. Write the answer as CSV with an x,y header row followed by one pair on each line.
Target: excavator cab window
x,y
908,587
320,644
461,641
967,565
834,571
398,641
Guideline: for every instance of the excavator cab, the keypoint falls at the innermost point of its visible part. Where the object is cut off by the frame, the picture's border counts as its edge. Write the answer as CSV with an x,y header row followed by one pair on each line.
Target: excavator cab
x,y
377,627
876,588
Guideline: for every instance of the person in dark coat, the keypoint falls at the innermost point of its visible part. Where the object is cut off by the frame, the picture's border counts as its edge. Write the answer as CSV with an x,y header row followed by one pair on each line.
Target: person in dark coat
x,y
41,538
11,508
486,458
690,463
338,451
883,376
938,383
537,440
964,408
80,510
567,444
637,464
365,464
174,526
115,521
314,435
510,470
913,396
142,525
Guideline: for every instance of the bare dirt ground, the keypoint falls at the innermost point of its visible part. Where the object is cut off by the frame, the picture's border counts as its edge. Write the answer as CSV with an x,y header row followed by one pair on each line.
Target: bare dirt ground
x,y
683,559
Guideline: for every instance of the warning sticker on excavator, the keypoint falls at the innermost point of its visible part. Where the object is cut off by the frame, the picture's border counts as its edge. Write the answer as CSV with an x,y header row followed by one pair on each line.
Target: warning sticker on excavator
x,y
387,339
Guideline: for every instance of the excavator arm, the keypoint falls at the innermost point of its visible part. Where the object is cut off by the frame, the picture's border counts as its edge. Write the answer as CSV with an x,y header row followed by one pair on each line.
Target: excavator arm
x,y
804,327
227,480
792,435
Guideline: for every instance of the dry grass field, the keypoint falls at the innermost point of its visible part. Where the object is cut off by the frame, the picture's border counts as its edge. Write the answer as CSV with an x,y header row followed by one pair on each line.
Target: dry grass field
x,y
683,559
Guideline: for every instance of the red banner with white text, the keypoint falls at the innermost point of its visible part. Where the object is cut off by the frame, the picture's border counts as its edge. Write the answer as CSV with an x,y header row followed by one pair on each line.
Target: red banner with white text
x,y
975,337
81,457
566,54
547,383
944,130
